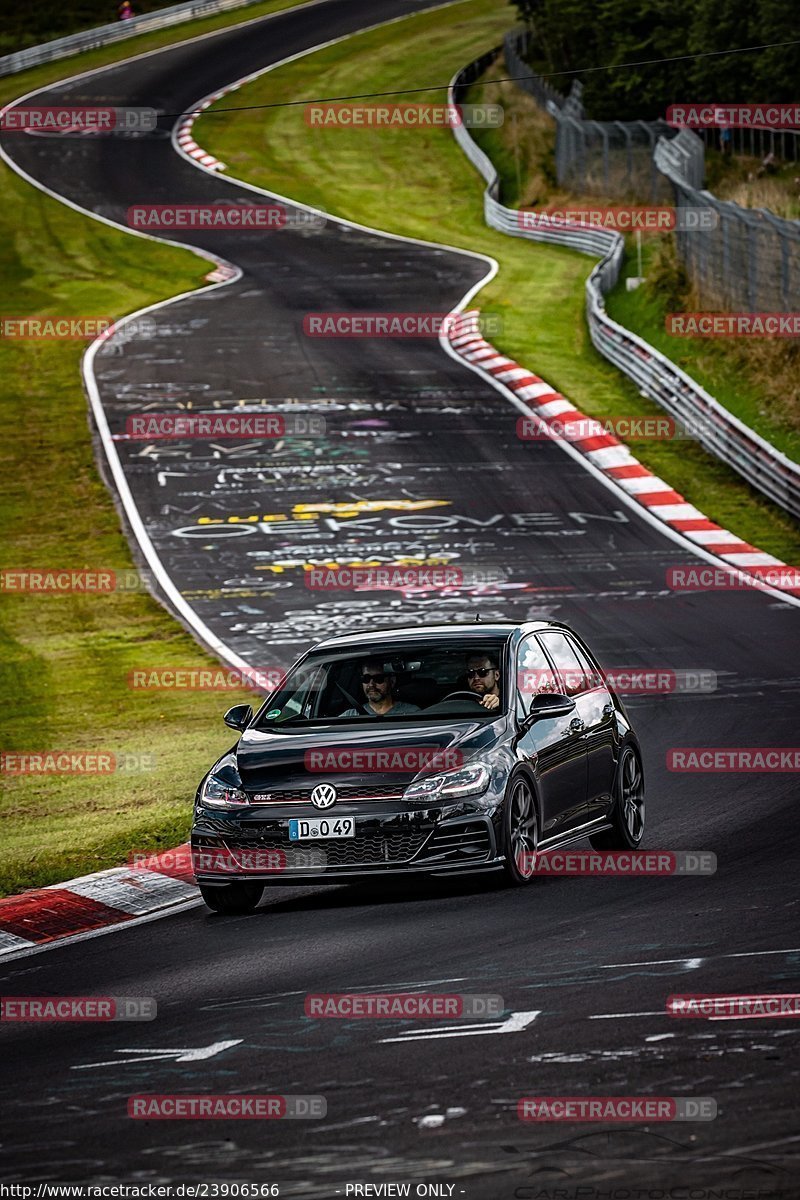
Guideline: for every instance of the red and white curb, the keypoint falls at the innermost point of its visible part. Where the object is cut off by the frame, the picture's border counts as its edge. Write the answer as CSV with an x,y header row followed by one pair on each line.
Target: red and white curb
x,y
221,274
183,132
189,147
607,453
92,902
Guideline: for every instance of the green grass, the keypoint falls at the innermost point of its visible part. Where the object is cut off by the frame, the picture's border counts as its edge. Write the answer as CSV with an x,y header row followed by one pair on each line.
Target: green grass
x,y
759,381
420,184
65,659
729,371
742,179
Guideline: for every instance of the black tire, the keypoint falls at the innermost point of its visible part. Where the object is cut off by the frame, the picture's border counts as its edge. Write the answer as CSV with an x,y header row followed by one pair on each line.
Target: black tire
x,y
627,815
232,898
520,832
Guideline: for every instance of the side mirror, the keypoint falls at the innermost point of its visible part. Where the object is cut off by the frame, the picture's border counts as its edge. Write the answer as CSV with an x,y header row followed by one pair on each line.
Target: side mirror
x,y
238,717
549,704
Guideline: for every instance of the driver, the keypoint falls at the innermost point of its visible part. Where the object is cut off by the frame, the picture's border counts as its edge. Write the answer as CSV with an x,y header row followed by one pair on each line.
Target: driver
x,y
483,678
378,688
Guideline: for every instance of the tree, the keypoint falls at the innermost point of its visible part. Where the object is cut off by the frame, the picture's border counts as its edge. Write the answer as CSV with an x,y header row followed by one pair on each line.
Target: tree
x,y
573,37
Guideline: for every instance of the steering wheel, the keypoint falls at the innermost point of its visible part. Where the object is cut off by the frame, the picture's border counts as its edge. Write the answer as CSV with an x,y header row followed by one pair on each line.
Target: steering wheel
x,y
461,695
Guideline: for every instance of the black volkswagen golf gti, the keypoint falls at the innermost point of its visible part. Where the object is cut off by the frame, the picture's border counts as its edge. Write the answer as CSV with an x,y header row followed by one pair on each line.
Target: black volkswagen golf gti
x,y
427,751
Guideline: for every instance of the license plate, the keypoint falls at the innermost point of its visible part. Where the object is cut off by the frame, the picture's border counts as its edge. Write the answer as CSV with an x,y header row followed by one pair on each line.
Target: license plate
x,y
322,827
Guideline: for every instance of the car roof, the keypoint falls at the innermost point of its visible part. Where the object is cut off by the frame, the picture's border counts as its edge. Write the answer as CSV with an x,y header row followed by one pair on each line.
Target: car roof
x,y
474,631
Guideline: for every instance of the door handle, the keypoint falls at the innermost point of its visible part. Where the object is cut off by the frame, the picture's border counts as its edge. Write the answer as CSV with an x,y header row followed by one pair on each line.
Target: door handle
x,y
577,724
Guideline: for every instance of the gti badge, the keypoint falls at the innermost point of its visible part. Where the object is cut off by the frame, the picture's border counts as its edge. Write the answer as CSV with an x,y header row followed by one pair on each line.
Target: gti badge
x,y
323,795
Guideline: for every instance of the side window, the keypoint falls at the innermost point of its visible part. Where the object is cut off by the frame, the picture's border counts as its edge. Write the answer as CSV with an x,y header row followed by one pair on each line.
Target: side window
x,y
566,662
534,672
594,677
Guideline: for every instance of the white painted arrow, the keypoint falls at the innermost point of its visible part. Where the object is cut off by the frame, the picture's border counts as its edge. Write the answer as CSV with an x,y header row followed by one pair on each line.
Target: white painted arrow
x,y
514,1023
152,1055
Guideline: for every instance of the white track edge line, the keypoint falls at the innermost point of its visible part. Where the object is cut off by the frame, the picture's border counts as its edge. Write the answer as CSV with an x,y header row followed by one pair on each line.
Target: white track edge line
x,y
629,501
641,509
158,569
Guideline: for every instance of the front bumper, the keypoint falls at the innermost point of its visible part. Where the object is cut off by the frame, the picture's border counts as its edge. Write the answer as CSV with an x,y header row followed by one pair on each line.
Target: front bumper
x,y
394,839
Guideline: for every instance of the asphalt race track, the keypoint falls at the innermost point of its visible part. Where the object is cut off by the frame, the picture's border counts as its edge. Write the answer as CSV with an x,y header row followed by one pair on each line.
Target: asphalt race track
x,y
589,962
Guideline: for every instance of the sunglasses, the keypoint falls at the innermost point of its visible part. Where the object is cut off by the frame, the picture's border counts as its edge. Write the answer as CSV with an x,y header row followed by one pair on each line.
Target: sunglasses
x,y
374,678
481,671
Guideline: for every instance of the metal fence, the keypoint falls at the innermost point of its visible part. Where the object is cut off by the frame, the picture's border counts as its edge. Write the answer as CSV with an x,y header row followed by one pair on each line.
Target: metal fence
x,y
749,262
718,430
104,35
756,142
597,158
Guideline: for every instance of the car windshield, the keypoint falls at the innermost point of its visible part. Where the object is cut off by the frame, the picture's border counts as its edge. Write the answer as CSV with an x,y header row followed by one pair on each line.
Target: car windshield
x,y
428,681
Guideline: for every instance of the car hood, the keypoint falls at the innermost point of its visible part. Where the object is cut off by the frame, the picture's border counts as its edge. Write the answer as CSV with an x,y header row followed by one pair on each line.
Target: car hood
x,y
382,756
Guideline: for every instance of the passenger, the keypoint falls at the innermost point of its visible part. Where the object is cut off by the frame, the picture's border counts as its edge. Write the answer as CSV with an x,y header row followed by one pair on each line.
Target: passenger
x,y
483,678
378,687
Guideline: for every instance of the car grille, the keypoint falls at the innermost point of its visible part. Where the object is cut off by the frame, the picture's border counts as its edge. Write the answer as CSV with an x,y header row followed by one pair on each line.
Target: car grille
x,y
363,850
348,792
468,841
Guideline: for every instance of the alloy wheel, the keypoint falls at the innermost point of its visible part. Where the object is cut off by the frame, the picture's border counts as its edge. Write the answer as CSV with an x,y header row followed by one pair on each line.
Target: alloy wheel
x,y
523,829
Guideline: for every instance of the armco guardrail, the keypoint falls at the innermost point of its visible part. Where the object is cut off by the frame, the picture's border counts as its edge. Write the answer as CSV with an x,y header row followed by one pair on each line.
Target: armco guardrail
x,y
105,35
748,262
718,430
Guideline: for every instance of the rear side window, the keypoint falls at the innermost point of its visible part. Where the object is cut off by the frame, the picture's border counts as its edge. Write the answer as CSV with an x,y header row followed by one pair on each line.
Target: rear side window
x,y
594,677
566,661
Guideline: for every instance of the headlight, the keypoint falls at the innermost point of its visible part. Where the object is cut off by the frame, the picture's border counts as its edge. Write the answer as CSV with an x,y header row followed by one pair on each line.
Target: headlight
x,y
471,780
217,793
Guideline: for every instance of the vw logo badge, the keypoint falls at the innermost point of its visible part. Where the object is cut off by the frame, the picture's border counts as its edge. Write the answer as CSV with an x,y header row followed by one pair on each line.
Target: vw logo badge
x,y
323,795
